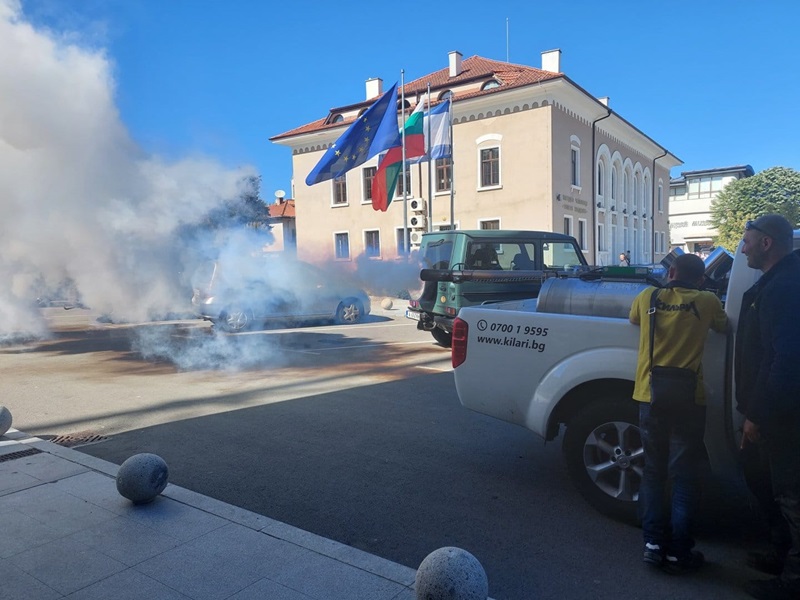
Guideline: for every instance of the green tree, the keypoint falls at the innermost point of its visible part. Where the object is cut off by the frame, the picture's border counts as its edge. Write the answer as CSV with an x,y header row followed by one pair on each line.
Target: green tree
x,y
775,190
246,209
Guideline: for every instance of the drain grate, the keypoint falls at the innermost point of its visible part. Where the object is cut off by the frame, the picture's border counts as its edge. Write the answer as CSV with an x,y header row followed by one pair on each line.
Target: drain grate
x,y
20,454
80,438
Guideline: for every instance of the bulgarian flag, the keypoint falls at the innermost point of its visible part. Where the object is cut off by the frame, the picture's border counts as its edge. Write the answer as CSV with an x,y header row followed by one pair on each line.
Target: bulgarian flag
x,y
391,164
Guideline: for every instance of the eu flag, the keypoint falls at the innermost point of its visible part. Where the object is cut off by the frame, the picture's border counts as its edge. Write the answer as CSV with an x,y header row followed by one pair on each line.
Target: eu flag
x,y
370,134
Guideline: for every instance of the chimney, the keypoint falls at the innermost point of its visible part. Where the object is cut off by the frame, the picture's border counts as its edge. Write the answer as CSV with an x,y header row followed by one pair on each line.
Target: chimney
x,y
551,61
374,87
455,63
604,100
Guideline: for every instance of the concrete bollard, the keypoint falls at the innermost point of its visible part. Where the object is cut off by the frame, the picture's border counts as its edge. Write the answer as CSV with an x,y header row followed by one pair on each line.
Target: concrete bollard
x,y
451,574
142,477
5,420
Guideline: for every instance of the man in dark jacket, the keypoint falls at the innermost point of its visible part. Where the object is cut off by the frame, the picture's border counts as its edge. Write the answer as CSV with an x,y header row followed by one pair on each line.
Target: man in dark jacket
x,y
767,364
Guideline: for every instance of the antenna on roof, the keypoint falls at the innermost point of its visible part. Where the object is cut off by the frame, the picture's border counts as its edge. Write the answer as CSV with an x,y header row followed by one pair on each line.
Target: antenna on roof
x,y
507,59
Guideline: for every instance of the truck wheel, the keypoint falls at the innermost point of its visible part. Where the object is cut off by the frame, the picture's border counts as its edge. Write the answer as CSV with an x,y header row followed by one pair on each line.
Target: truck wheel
x,y
605,459
442,337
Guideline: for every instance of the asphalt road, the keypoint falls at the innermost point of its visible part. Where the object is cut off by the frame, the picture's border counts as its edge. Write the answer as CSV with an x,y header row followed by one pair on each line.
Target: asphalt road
x,y
354,433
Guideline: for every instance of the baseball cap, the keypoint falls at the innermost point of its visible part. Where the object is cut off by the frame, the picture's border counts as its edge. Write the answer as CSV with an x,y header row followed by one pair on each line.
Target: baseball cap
x,y
774,226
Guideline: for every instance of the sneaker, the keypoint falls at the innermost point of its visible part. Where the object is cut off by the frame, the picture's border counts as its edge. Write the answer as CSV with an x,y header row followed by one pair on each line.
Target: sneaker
x,y
773,589
653,554
691,561
766,562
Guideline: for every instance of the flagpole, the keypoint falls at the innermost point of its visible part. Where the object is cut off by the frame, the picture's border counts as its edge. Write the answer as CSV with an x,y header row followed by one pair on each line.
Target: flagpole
x,y
406,237
452,166
430,175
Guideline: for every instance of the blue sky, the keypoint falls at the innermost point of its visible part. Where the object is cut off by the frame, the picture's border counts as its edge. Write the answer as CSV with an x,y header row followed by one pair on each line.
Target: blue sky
x,y
715,82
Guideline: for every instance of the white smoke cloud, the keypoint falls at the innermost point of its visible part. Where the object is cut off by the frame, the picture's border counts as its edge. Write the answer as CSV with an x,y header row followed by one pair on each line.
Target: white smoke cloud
x,y
79,200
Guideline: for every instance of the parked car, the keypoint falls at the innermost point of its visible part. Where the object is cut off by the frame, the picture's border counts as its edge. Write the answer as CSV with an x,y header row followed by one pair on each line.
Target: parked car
x,y
239,294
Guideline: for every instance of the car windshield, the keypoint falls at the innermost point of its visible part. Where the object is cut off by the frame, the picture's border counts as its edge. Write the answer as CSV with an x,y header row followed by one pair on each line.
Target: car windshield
x,y
202,276
560,255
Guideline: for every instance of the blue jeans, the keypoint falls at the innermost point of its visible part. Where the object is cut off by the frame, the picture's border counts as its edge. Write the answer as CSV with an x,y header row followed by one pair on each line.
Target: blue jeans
x,y
673,449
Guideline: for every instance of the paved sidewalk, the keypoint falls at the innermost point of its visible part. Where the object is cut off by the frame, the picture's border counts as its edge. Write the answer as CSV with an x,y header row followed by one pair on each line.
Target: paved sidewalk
x,y
67,533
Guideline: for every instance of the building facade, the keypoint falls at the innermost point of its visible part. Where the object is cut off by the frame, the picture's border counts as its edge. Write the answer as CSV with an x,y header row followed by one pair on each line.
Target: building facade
x,y
531,150
690,198
282,225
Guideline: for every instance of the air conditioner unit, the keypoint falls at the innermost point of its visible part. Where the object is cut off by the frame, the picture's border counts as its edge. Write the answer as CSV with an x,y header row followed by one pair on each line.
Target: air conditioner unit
x,y
416,237
418,205
418,222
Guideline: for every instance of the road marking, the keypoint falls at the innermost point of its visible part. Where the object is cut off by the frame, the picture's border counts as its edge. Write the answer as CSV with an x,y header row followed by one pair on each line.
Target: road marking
x,y
450,370
376,345
312,329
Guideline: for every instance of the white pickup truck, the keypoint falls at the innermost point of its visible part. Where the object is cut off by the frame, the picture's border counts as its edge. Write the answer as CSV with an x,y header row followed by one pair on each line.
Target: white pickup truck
x,y
567,358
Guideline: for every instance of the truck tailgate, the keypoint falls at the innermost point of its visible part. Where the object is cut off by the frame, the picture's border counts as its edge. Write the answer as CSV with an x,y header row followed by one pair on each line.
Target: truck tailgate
x,y
519,364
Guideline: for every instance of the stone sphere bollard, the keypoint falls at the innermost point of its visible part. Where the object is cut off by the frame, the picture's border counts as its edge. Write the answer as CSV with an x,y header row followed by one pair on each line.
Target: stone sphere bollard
x,y
387,303
5,420
142,477
451,574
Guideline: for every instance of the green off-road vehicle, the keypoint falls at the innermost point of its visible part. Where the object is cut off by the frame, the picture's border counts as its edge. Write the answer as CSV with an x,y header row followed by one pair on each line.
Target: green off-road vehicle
x,y
465,268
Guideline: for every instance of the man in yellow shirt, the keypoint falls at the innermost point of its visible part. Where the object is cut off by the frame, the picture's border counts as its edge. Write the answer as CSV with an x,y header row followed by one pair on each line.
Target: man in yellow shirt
x,y
673,440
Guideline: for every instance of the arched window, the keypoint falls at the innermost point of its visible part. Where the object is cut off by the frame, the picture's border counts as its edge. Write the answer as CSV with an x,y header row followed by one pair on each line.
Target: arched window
x,y
613,184
445,95
492,83
337,119
600,170
624,190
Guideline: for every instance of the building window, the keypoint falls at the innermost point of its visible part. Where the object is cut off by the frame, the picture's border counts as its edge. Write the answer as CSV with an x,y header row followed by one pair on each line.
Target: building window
x,y
568,225
600,191
341,243
403,184
704,187
490,224
340,191
635,193
625,189
678,193
575,161
613,185
444,174
403,240
601,237
491,84
582,233
660,198
368,178
490,167
445,95
372,243
613,238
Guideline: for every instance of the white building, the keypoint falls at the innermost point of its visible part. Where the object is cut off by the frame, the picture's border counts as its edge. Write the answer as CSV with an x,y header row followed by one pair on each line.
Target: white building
x,y
531,150
690,198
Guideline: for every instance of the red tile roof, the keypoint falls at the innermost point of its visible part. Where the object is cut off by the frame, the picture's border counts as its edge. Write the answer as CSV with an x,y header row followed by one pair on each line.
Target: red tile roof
x,y
473,69
282,209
